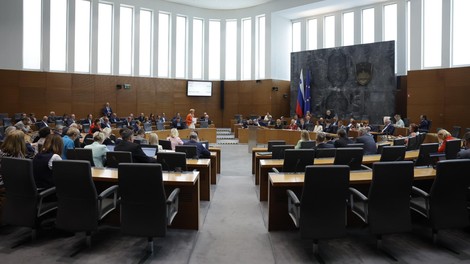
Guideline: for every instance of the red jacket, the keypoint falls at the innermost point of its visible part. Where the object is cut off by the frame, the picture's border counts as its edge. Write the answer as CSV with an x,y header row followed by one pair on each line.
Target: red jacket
x,y
442,147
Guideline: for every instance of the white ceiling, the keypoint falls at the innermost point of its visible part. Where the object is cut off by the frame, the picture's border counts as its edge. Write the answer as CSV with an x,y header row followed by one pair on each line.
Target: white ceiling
x,y
221,4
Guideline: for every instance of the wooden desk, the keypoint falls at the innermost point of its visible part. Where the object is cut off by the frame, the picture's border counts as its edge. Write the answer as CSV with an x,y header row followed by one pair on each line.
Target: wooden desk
x,y
204,167
213,168
188,182
218,152
278,217
266,166
253,155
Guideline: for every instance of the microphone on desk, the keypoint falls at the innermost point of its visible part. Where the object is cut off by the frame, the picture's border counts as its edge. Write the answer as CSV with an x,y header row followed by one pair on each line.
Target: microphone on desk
x,y
296,164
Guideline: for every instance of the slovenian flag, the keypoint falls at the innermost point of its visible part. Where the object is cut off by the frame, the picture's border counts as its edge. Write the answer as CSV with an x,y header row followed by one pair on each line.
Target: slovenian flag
x,y
300,97
307,94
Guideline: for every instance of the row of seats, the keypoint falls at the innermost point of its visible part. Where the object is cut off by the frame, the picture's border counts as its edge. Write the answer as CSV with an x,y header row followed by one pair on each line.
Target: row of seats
x,y
145,210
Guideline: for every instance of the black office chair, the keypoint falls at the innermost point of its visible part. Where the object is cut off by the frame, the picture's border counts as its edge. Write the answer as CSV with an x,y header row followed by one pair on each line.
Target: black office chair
x,y
446,204
278,150
86,128
424,158
160,126
456,131
7,122
204,124
147,127
59,122
356,145
321,211
412,143
190,150
393,153
113,158
172,161
386,209
205,144
166,144
351,157
420,139
452,148
24,205
145,210
308,144
295,160
82,154
272,143
80,208
325,152
380,147
88,141
119,124
399,142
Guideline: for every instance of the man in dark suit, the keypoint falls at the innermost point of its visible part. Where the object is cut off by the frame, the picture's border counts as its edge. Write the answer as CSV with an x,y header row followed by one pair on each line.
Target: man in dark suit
x,y
321,137
368,140
465,154
178,124
127,144
43,123
107,111
113,119
343,139
201,151
388,128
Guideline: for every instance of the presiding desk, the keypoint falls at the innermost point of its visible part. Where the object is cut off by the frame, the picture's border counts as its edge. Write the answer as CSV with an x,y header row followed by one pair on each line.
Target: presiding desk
x,y
266,166
278,217
188,182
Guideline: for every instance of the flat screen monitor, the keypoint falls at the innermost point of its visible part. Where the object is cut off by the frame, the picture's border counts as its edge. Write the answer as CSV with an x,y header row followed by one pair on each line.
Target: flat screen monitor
x,y
295,160
172,161
199,88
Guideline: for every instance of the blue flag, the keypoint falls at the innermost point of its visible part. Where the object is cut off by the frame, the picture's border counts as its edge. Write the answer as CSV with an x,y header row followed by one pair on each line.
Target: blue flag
x,y
307,94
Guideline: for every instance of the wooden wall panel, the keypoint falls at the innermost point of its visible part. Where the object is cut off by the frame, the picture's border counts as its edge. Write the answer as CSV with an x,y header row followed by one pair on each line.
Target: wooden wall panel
x,y
126,98
83,95
59,87
145,95
105,91
10,94
32,93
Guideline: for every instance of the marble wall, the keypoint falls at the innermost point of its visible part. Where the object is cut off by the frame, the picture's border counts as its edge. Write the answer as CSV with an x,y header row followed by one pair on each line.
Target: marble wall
x,y
354,81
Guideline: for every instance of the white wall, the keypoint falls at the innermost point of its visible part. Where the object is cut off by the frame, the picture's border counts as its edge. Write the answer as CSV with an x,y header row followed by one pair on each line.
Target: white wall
x,y
11,28
281,41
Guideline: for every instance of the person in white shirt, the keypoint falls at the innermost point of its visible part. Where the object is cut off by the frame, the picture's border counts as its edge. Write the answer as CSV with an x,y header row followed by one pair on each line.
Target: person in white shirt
x,y
399,122
98,149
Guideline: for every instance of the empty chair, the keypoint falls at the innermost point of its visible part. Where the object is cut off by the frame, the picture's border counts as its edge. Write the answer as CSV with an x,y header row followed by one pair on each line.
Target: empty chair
x,y
386,208
24,205
160,126
399,142
145,209
278,150
351,157
172,161
166,144
424,159
393,153
82,154
295,160
446,203
325,152
59,122
308,144
113,158
147,126
86,128
79,206
456,131
204,124
272,143
380,148
190,150
412,143
7,122
321,211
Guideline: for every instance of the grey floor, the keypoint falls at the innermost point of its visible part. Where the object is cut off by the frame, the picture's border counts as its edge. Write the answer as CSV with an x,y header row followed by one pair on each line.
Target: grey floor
x,y
233,230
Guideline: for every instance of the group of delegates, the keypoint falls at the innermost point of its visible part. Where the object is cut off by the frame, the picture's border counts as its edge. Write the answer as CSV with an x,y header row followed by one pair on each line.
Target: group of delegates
x,y
175,140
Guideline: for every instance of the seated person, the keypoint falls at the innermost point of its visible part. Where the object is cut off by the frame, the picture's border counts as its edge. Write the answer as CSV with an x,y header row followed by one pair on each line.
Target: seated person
x,y
278,124
343,139
68,140
423,125
127,144
398,121
98,149
141,137
368,140
153,140
302,125
23,125
329,114
328,127
109,138
178,123
201,151
43,161
465,153
174,138
443,135
321,141
304,136
318,128
388,128
293,125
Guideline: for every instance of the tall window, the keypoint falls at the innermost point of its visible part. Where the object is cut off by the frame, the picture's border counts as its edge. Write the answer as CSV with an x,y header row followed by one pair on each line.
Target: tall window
x,y
312,25
368,27
260,65
214,49
329,32
390,22
231,50
180,47
348,28
145,43
163,44
296,36
105,38
58,35
82,35
461,38
408,34
246,49
32,34
198,48
126,28
432,41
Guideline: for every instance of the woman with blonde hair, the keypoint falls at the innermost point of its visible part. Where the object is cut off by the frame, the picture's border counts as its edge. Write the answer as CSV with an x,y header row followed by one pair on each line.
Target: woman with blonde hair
x,y
107,136
14,146
43,161
304,136
174,138
153,140
98,149
443,136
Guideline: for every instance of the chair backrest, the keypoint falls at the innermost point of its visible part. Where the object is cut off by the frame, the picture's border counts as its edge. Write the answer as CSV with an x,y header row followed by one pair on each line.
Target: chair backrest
x,y
295,160
272,143
3,115
113,158
389,197
86,128
59,122
189,150
399,142
420,139
204,124
119,124
278,150
456,131
147,126
83,154
412,143
452,148
309,127
76,196
308,144
143,207
424,150
323,201
137,141
448,195
166,144
2,131
325,152
20,205
88,141
160,126
355,145
172,161
205,144
7,122
349,156
393,153
381,146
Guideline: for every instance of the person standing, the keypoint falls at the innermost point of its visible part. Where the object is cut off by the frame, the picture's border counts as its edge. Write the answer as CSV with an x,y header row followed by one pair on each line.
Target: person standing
x,y
107,111
190,122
